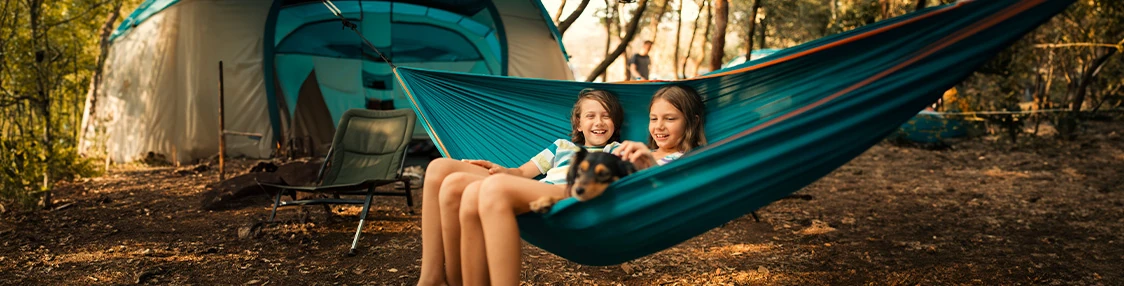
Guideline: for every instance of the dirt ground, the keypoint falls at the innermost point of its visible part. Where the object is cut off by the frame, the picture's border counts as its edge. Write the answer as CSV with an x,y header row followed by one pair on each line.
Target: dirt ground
x,y
985,212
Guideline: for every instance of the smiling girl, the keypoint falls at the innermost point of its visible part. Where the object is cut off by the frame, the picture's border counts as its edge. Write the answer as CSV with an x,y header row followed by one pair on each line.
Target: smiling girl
x,y
595,122
675,126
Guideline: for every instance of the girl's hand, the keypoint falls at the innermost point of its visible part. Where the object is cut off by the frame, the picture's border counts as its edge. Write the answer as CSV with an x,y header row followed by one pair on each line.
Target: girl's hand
x,y
637,153
493,168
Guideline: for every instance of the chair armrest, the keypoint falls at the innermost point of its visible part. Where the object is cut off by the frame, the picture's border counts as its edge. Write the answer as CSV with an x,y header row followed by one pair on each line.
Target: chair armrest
x,y
325,165
332,188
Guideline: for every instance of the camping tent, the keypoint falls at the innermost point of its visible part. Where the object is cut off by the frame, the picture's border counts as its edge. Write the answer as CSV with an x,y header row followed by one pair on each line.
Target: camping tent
x,y
756,54
290,70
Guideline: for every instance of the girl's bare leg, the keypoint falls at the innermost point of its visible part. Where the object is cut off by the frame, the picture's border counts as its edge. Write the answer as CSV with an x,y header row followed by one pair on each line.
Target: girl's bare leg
x,y
433,256
502,197
451,191
474,262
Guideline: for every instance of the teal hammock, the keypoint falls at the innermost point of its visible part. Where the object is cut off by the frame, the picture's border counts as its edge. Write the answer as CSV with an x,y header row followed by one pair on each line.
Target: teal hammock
x,y
776,124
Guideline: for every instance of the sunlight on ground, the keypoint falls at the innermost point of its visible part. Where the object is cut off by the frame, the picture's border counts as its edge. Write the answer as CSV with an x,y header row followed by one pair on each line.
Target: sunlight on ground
x,y
738,250
996,172
120,253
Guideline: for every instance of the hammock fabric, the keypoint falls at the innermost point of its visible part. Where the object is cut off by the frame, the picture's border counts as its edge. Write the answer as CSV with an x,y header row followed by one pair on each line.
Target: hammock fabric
x,y
776,124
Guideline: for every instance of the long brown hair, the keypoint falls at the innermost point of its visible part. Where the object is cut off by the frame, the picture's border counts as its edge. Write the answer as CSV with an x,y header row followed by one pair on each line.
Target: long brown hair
x,y
690,104
608,101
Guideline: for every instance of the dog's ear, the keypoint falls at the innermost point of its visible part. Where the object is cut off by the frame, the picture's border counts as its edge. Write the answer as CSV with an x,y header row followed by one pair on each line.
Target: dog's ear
x,y
572,175
627,167
579,156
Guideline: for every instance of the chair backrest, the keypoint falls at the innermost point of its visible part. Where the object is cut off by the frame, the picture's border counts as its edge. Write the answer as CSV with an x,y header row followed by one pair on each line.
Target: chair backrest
x,y
369,145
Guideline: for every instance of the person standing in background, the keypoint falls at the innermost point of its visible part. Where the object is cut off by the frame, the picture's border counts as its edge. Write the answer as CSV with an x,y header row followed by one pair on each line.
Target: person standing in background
x,y
639,64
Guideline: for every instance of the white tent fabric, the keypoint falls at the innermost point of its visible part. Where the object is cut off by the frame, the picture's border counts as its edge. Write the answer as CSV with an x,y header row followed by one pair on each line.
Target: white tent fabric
x,y
161,84
532,50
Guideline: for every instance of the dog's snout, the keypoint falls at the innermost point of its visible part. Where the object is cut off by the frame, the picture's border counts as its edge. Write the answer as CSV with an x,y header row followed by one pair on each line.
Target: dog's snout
x,y
579,190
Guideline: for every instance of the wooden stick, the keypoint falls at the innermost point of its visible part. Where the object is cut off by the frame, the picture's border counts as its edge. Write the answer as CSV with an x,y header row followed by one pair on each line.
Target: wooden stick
x,y
1117,46
240,133
222,129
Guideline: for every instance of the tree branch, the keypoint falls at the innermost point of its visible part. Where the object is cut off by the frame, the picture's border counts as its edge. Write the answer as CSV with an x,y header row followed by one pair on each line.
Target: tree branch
x,y
565,24
558,16
80,15
1087,76
632,25
16,100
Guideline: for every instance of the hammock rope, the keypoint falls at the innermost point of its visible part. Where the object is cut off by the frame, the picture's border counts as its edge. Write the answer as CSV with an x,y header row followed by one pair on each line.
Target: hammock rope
x,y
347,24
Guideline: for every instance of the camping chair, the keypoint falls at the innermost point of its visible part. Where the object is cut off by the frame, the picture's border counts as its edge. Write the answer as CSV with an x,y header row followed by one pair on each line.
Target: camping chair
x,y
368,151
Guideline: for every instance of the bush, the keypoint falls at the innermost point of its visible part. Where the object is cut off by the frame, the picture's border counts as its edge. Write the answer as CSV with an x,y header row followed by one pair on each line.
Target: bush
x,y
23,162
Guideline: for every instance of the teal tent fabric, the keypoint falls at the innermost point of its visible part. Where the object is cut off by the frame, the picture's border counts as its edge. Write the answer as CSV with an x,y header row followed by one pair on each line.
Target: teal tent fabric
x,y
756,54
931,127
775,124
458,36
144,10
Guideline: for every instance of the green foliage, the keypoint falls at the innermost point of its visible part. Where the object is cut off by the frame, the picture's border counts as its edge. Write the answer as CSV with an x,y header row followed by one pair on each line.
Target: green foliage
x,y
22,169
48,54
1035,71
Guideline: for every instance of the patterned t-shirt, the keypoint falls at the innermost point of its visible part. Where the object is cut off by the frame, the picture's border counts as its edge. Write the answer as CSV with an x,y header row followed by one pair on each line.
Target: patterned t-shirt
x,y
668,158
554,161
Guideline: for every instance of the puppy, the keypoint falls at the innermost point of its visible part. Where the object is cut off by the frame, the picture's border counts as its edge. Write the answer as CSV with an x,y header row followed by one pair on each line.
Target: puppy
x,y
589,176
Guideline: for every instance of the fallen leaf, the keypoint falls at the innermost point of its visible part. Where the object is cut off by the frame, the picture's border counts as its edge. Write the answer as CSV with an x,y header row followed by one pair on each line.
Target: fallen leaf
x,y
627,268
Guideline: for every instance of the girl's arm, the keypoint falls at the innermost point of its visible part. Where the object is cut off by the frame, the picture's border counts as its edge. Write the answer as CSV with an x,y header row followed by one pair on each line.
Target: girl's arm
x,y
637,153
528,170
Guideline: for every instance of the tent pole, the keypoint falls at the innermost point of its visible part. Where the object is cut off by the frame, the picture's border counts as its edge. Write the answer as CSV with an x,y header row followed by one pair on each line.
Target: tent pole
x,y
222,129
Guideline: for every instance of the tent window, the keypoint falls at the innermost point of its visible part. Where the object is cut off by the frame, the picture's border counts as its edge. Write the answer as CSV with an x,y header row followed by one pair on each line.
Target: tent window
x,y
440,44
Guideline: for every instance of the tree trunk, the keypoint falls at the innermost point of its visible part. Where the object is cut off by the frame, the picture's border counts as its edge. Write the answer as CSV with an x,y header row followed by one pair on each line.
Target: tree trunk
x,y
1043,102
1068,126
627,71
885,9
678,34
718,46
558,16
44,100
749,34
89,110
654,25
1087,76
620,39
631,32
694,32
565,24
706,37
4,104
920,5
609,23
834,7
764,28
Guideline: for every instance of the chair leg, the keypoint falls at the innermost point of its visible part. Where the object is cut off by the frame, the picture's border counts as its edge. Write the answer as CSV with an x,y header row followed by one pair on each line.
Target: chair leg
x,y
303,210
276,202
329,214
362,220
409,197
